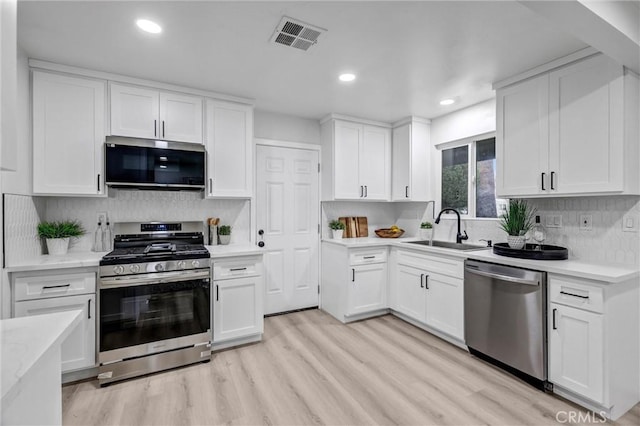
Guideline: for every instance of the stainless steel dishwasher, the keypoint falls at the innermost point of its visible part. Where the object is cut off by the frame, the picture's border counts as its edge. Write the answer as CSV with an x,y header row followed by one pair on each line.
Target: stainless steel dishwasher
x,y
505,318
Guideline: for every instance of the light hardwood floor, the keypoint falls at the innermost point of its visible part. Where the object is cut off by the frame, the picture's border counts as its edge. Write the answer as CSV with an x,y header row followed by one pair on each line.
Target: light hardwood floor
x,y
310,369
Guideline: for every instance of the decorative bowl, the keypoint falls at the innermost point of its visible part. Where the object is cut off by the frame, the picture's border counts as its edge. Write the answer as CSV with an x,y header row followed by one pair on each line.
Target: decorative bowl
x,y
388,233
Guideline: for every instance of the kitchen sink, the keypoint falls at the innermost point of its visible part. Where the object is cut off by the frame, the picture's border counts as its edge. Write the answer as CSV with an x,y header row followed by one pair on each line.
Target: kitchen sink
x,y
448,244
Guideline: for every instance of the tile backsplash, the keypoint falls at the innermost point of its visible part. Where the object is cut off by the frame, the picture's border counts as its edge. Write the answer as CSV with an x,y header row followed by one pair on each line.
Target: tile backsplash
x,y
22,214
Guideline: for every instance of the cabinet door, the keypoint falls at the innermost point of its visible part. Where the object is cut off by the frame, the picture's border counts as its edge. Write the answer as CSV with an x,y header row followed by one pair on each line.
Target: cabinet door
x,y
410,292
79,349
229,142
346,161
180,117
419,187
401,168
576,360
586,127
134,112
522,138
68,134
375,163
445,301
367,288
237,308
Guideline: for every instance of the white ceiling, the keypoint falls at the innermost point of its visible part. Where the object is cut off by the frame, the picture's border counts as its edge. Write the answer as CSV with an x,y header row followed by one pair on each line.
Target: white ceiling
x,y
407,55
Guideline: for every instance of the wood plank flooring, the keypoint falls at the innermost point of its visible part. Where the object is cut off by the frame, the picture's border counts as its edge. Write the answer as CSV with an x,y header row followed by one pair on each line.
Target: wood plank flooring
x,y
312,370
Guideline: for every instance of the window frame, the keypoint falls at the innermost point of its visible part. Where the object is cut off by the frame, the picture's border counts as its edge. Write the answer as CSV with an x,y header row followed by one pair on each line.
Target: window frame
x,y
470,142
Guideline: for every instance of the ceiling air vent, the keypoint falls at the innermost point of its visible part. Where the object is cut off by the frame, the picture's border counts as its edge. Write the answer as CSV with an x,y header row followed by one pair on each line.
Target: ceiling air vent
x,y
298,34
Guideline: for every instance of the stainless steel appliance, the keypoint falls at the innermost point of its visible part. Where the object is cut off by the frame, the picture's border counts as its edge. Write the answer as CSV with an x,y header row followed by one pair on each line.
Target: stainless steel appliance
x,y
505,318
154,300
150,164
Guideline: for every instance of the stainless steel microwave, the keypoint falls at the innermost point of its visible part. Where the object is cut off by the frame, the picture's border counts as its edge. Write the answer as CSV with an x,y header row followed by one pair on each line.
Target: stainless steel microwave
x,y
151,164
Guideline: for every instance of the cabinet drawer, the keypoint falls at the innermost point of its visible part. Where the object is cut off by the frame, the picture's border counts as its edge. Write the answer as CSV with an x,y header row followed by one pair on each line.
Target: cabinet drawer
x,y
44,286
236,267
572,292
362,257
426,261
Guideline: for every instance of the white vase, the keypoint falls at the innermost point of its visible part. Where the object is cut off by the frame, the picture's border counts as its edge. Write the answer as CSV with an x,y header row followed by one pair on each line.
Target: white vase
x,y
225,239
337,233
57,246
515,241
426,234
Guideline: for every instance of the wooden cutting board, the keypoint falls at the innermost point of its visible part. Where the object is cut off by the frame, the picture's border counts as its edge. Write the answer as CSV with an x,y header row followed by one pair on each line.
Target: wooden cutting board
x,y
354,226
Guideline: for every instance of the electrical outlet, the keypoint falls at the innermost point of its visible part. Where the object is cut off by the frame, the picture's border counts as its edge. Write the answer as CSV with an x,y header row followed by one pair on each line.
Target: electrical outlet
x,y
586,222
629,223
101,217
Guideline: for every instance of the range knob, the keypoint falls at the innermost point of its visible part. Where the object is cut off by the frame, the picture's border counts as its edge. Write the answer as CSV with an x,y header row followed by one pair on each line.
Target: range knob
x,y
134,268
182,264
159,267
118,269
195,263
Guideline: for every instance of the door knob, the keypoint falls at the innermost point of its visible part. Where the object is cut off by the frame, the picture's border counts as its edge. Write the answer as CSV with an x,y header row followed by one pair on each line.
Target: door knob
x,y
261,234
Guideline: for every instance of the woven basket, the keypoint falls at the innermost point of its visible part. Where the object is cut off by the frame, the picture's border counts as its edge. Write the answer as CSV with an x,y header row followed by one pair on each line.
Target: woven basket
x,y
388,233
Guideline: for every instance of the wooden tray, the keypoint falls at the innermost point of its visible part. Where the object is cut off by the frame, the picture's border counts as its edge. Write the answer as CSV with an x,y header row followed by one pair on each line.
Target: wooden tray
x,y
355,226
387,233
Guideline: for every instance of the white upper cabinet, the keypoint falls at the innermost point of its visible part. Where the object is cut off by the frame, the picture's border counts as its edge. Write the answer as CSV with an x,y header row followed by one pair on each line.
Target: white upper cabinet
x,y
410,167
152,114
229,142
573,130
356,160
68,126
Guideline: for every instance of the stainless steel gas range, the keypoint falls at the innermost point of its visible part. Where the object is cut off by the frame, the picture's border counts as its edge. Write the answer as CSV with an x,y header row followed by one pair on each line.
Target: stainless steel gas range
x,y
154,300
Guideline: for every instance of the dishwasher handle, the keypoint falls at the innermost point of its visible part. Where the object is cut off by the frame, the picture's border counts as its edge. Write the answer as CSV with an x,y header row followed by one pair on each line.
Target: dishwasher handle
x,y
502,277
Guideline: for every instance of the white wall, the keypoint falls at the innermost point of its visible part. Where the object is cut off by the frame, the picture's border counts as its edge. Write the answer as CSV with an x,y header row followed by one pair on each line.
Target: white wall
x,y
271,125
467,122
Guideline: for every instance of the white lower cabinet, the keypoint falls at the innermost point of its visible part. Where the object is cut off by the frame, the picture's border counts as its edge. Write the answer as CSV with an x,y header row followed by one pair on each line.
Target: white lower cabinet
x,y
47,292
238,310
429,289
354,281
594,343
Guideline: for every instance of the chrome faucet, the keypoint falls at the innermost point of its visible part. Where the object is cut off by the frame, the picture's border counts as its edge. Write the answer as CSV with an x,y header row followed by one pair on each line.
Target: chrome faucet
x,y
459,236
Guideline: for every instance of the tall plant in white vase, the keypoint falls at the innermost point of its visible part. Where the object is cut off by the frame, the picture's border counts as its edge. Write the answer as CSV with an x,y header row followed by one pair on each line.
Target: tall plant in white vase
x,y
516,222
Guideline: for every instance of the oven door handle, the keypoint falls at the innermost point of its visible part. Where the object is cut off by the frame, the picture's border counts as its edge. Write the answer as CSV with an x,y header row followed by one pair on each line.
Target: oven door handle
x,y
159,278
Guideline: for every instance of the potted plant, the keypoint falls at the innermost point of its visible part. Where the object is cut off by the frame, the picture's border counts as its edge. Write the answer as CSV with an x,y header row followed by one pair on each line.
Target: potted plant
x,y
426,230
516,222
224,234
57,234
337,228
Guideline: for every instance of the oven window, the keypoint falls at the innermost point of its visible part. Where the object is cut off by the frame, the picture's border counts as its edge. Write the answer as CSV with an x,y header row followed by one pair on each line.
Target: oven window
x,y
142,314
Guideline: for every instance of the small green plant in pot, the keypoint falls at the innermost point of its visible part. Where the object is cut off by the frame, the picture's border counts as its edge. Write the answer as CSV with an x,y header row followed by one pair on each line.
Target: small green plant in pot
x,y
516,222
57,234
337,229
426,230
224,234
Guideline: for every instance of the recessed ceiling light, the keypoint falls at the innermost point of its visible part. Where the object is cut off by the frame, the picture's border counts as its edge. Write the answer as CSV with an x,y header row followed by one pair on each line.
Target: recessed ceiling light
x,y
347,77
148,26
447,101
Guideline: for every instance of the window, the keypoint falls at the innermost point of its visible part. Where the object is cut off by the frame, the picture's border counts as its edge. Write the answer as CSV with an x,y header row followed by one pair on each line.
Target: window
x,y
469,179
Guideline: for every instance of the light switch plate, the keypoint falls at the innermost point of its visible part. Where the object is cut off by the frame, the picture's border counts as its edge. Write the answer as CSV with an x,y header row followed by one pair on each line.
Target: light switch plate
x,y
553,221
629,223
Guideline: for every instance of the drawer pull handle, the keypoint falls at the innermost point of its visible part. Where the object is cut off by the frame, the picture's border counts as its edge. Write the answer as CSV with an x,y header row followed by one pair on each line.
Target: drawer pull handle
x,y
553,318
421,278
542,182
369,257
89,308
353,275
426,282
217,294
574,295
238,269
56,286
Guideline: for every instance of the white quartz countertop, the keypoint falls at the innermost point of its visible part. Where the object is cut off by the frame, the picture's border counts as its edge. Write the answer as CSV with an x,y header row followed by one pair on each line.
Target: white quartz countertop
x,y
92,259
611,273
23,341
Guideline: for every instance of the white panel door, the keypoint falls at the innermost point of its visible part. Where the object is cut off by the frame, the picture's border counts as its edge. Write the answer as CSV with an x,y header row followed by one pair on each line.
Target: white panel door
x,y
79,348
410,292
445,302
288,213
229,143
375,163
236,311
134,112
367,288
401,157
586,127
346,161
68,128
180,117
576,351
522,138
